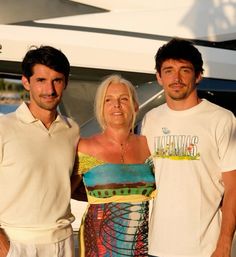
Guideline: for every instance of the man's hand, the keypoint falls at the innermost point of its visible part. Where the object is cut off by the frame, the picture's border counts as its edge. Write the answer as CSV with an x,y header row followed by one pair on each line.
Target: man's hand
x,y
4,244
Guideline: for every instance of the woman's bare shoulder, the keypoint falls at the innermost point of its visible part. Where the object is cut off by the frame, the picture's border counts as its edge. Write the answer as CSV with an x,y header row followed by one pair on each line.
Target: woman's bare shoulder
x,y
86,143
140,138
141,143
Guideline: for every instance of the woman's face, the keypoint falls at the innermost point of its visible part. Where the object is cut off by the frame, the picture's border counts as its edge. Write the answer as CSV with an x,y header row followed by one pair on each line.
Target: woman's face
x,y
117,106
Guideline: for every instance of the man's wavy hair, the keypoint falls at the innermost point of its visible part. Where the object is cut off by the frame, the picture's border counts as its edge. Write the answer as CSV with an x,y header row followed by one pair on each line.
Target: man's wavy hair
x,y
48,56
179,49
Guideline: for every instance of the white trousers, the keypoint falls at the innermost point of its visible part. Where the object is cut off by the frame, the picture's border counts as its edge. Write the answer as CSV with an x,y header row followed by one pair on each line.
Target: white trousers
x,y
64,248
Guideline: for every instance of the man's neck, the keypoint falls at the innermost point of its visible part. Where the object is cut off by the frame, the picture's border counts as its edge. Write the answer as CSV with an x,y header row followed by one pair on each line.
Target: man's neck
x,y
45,116
183,104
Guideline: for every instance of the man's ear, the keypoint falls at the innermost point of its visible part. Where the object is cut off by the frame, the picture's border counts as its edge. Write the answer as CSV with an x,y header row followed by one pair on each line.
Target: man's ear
x,y
198,79
25,83
159,80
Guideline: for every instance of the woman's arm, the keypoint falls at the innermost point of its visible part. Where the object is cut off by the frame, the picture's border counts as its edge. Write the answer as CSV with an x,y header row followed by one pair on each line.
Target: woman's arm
x,y
4,244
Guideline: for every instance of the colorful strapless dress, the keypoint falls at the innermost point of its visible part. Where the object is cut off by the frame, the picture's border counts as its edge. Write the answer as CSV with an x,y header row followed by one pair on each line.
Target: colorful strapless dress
x,y
116,221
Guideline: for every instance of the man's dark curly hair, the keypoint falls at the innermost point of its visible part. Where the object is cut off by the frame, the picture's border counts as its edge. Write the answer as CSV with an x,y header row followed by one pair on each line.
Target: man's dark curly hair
x,y
48,56
179,49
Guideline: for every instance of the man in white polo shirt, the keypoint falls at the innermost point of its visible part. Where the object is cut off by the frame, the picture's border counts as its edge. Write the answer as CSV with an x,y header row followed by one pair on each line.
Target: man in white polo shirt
x,y
37,151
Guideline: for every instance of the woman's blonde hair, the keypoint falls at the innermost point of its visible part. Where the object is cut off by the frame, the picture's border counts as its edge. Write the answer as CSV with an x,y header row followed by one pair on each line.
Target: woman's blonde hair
x,y
100,98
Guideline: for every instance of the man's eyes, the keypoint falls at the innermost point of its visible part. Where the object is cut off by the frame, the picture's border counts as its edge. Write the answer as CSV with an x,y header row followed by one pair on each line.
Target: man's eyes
x,y
187,70
184,70
168,71
40,80
59,80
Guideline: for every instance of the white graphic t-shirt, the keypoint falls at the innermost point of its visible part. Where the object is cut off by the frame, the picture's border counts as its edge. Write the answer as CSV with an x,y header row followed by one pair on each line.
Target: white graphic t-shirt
x,y
191,148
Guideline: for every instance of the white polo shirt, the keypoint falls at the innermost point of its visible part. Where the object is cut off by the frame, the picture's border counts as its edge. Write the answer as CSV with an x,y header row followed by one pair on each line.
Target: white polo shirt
x,y
35,168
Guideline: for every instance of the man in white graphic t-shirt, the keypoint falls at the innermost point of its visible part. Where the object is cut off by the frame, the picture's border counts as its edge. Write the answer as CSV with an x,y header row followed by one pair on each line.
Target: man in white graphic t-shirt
x,y
193,142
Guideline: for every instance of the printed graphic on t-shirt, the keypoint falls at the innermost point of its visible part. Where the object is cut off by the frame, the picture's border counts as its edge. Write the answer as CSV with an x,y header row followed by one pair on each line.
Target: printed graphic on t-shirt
x,y
176,147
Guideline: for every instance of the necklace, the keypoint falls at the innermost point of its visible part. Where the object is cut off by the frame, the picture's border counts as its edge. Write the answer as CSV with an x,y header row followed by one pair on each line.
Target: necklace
x,y
123,151
123,148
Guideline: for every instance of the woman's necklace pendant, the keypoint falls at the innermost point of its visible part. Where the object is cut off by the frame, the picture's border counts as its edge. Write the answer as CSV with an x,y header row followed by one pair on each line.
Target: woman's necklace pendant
x,y
123,150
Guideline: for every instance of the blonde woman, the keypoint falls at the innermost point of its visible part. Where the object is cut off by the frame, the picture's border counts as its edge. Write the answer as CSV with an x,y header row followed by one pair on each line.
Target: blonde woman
x,y
117,175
